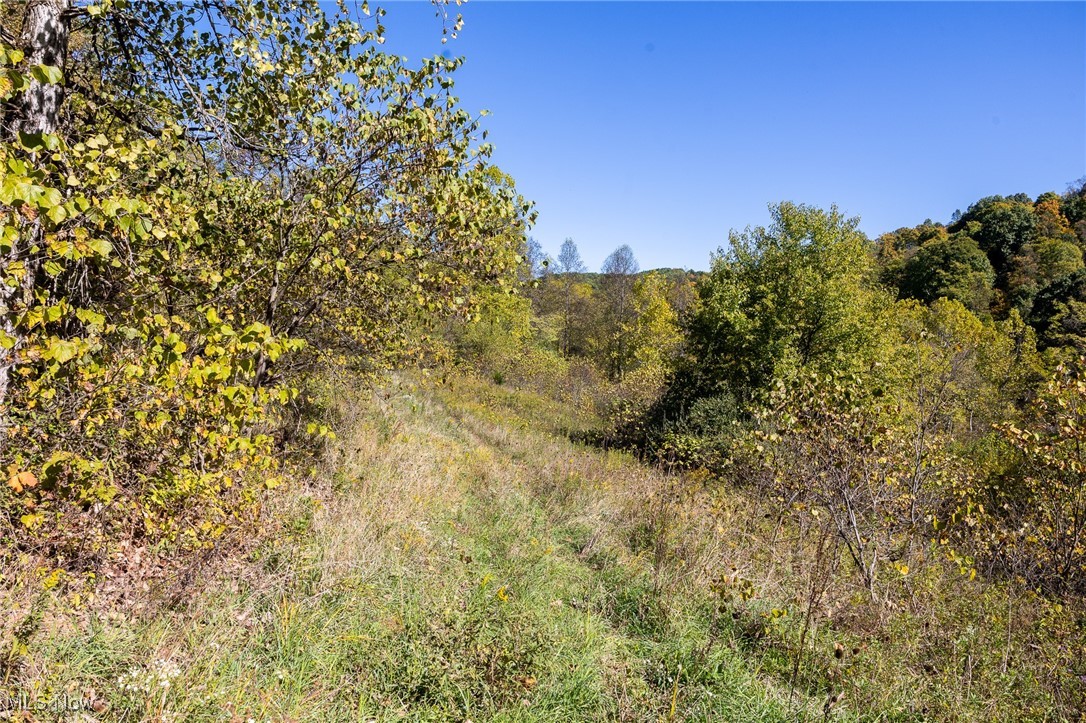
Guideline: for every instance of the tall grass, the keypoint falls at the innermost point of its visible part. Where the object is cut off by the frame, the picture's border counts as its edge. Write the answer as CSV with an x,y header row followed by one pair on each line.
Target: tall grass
x,y
457,558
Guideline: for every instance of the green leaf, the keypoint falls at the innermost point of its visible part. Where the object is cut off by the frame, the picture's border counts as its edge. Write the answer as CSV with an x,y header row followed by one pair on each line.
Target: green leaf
x,y
49,197
47,74
31,520
62,350
18,81
100,246
31,141
90,318
11,56
38,141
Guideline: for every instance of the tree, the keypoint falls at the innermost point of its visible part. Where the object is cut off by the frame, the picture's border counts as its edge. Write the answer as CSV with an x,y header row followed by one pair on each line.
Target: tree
x,y
619,270
1001,226
953,373
1073,208
352,171
236,193
502,328
1042,518
655,336
1051,222
796,295
905,241
894,249
1059,313
621,264
569,259
952,267
1056,258
32,109
568,266
44,44
536,262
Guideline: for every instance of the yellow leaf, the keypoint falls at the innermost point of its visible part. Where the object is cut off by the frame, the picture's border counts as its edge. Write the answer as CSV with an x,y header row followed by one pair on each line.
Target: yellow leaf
x,y
30,521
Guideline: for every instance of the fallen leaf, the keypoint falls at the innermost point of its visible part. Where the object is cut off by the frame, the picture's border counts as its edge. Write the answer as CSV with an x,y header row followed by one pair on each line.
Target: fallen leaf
x,y
22,480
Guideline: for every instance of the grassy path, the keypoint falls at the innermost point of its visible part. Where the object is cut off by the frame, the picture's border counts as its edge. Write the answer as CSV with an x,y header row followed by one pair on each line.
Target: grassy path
x,y
467,565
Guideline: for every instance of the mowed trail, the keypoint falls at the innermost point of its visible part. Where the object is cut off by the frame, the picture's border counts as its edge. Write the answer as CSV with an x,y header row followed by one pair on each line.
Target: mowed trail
x,y
536,579
460,560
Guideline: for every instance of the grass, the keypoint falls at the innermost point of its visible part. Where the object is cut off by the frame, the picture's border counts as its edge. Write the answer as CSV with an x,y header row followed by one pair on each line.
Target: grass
x,y
461,560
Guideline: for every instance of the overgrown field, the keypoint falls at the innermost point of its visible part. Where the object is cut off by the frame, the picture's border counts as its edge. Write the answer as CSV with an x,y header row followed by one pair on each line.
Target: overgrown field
x,y
459,559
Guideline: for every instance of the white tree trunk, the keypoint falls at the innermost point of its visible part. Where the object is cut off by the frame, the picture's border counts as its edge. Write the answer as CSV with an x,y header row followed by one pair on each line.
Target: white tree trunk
x,y
44,40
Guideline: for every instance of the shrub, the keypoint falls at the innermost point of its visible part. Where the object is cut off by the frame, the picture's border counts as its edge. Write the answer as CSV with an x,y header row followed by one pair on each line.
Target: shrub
x,y
1040,512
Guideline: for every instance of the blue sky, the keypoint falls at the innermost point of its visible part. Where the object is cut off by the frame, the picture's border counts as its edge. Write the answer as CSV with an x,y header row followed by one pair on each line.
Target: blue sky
x,y
664,125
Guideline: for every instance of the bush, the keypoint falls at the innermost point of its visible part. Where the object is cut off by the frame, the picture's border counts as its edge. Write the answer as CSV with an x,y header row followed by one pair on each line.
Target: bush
x,y
1039,515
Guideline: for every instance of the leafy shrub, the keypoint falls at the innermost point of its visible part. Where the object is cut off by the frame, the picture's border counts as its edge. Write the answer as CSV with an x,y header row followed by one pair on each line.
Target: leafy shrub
x,y
170,276
712,415
824,446
1039,518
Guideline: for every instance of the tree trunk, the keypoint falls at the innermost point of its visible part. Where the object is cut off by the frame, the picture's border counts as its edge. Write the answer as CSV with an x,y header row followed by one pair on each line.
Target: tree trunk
x,y
44,40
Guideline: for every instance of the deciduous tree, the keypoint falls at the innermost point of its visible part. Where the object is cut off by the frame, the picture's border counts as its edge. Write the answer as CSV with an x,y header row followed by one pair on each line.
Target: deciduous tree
x,y
619,271
796,295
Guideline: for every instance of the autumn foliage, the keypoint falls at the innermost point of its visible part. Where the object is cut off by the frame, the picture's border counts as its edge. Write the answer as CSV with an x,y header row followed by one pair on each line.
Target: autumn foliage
x,y
233,196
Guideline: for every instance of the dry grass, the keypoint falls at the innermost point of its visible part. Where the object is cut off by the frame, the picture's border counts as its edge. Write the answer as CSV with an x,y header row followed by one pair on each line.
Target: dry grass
x,y
456,557
937,643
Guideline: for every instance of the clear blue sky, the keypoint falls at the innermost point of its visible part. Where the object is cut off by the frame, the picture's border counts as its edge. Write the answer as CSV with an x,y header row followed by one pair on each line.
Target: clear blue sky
x,y
664,125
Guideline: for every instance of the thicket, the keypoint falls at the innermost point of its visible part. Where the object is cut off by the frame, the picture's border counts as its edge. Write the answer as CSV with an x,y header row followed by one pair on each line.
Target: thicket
x,y
202,206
